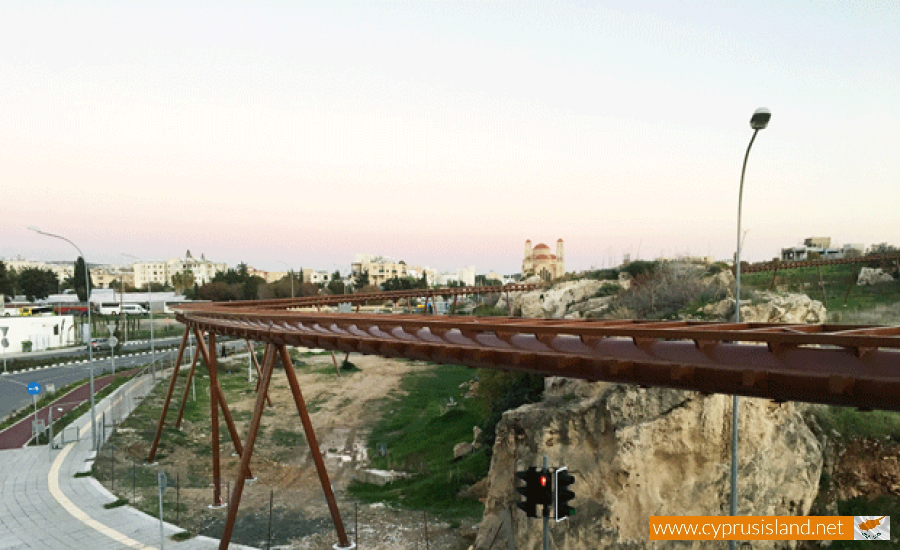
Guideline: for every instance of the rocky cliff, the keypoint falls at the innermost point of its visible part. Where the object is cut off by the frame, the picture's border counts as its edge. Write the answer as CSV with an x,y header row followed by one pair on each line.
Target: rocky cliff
x,y
638,453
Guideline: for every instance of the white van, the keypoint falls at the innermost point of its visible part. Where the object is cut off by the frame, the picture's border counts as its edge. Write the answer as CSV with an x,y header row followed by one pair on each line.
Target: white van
x,y
133,309
108,308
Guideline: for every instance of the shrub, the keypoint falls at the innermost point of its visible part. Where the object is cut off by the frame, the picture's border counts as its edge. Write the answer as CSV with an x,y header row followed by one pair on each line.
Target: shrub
x,y
500,391
662,292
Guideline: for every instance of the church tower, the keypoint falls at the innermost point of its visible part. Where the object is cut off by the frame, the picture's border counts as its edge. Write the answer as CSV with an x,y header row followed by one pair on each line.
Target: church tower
x,y
561,260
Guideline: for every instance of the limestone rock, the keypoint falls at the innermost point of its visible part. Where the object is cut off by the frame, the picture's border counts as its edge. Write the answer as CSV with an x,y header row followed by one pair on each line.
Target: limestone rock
x,y
775,308
461,450
873,276
637,452
551,302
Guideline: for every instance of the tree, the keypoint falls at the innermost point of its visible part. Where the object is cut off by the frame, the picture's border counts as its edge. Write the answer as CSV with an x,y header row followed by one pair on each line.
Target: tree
x,y
362,279
183,280
336,285
79,280
7,281
37,283
308,289
883,248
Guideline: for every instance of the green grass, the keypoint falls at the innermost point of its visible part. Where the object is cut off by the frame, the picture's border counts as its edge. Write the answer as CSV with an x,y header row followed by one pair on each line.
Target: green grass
x,y
287,438
182,536
419,430
837,279
116,503
850,422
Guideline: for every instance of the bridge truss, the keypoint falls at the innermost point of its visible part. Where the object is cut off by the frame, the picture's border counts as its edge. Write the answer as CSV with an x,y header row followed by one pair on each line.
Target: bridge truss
x,y
834,364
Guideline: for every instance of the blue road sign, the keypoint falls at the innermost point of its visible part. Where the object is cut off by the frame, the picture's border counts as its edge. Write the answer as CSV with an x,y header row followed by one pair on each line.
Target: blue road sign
x,y
34,388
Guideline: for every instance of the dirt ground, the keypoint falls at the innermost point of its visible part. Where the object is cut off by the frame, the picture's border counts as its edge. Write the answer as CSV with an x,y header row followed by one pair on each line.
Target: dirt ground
x,y
342,411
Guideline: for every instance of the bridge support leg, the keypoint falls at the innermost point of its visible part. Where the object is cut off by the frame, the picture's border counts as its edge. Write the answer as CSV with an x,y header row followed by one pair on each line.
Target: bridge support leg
x,y
244,472
162,418
337,369
216,388
258,370
209,356
187,387
453,307
314,448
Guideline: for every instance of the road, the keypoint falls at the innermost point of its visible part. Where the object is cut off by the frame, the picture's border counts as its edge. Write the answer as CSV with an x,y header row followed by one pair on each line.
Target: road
x,y
13,395
12,386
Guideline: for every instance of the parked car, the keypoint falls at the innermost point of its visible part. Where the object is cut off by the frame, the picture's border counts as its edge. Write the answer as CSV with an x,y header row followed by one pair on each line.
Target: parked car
x,y
100,344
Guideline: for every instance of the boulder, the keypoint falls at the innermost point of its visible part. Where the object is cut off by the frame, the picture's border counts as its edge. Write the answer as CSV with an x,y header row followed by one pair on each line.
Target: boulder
x,y
637,453
773,308
551,302
873,276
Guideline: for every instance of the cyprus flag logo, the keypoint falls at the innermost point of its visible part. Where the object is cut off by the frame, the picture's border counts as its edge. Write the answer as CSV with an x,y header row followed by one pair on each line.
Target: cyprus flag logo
x,y
871,527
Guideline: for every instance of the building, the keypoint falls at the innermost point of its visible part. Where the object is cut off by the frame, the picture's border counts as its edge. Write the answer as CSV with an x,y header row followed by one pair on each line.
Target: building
x,y
379,268
541,262
40,333
315,276
162,273
63,270
819,248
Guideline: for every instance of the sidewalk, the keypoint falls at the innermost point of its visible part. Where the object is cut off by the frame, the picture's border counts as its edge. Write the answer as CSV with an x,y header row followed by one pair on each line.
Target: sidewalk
x,y
44,506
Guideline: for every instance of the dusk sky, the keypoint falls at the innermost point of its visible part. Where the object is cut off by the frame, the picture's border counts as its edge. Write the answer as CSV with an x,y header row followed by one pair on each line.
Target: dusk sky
x,y
445,133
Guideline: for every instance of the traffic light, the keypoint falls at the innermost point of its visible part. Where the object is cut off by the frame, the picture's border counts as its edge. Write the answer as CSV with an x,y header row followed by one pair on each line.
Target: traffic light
x,y
529,491
562,494
538,489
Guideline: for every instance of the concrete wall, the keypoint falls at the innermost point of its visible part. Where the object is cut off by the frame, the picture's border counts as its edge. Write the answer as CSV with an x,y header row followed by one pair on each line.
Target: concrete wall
x,y
43,332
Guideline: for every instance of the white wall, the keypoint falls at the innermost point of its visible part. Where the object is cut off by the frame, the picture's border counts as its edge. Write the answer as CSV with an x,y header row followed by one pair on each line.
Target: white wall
x,y
39,331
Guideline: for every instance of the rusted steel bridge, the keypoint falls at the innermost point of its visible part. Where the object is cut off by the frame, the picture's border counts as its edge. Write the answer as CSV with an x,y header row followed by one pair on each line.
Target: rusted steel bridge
x,y
835,364
790,264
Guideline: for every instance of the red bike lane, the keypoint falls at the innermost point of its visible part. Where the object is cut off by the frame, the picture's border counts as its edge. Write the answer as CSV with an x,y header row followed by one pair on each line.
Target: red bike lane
x,y
18,435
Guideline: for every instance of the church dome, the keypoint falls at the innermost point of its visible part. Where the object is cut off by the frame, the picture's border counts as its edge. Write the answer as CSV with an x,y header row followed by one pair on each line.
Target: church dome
x,y
540,246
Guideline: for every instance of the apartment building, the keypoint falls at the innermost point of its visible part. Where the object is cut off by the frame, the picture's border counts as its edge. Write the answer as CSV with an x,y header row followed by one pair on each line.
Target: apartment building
x,y
163,272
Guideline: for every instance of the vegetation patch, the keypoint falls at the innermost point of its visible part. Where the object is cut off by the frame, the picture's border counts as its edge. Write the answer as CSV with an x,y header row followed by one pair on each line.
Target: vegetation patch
x,y
417,432
116,503
849,422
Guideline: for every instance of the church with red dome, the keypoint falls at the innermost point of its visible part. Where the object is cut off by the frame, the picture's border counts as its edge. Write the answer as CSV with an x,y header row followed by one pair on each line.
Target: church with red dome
x,y
540,261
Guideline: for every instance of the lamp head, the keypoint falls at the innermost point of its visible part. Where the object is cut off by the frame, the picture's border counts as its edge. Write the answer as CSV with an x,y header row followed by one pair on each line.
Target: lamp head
x,y
760,118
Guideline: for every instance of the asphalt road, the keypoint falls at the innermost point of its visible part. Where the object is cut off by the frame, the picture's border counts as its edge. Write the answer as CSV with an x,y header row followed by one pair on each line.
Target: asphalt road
x,y
13,394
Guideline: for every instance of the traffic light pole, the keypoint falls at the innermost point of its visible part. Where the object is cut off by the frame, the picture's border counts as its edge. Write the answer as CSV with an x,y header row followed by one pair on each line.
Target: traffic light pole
x,y
546,511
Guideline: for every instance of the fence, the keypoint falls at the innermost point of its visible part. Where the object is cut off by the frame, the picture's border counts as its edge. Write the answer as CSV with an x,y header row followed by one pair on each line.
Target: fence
x,y
116,406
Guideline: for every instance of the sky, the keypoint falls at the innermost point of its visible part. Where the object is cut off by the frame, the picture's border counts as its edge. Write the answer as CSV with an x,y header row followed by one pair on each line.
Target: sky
x,y
445,134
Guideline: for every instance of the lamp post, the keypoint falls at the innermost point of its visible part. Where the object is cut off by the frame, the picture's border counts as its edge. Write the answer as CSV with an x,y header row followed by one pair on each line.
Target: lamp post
x,y
291,275
758,121
87,289
149,313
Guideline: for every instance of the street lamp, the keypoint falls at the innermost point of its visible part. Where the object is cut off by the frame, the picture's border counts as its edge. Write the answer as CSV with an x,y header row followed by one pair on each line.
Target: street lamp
x,y
291,275
87,289
149,313
758,121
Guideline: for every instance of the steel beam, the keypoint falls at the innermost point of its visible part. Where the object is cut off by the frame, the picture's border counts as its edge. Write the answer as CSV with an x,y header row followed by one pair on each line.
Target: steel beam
x,y
162,418
314,447
187,387
244,468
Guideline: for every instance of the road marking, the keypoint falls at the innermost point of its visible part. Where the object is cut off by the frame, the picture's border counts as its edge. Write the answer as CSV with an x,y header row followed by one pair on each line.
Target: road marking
x,y
77,513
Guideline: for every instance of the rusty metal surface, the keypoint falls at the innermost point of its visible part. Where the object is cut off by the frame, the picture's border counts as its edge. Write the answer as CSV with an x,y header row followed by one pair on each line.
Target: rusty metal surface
x,y
836,364
335,299
855,365
787,264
